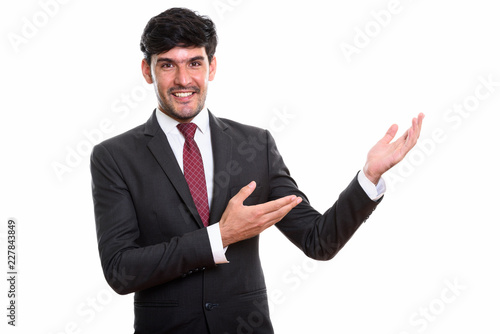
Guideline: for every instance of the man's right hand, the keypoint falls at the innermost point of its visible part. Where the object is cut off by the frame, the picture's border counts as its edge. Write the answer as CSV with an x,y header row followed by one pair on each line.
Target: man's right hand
x,y
240,222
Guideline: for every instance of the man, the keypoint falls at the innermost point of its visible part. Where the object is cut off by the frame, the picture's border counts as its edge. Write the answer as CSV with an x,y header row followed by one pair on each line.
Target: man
x,y
180,201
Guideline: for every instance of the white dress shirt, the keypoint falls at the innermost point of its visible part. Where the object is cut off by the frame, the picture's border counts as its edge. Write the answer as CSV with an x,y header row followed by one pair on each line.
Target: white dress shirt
x,y
204,142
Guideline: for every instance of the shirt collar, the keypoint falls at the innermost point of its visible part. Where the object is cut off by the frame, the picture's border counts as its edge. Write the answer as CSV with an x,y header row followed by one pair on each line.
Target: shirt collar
x,y
168,124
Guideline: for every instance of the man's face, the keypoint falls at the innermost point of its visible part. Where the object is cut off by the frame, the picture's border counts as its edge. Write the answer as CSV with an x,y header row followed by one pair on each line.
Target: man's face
x,y
180,77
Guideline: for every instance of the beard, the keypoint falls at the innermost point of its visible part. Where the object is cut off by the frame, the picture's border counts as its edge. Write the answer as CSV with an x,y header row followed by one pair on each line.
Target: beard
x,y
176,110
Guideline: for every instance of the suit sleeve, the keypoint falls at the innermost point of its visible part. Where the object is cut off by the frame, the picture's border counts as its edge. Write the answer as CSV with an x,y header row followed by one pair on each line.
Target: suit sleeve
x,y
127,266
319,236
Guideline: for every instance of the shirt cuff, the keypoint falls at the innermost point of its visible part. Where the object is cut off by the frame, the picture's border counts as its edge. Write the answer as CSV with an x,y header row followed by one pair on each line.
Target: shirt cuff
x,y
373,191
218,252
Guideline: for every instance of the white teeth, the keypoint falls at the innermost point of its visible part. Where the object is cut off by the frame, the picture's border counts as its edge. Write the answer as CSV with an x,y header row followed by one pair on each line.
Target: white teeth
x,y
183,94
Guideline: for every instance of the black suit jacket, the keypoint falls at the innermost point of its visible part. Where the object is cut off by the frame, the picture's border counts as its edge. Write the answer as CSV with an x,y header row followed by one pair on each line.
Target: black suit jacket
x,y
152,241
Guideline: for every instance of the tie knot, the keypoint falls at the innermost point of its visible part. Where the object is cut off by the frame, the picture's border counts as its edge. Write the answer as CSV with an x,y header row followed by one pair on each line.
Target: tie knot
x,y
187,129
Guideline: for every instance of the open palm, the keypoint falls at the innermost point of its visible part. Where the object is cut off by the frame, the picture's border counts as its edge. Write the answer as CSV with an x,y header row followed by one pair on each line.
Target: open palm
x,y
385,154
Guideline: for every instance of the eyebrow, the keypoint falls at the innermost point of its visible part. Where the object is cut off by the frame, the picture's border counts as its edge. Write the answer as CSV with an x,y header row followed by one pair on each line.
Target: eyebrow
x,y
170,60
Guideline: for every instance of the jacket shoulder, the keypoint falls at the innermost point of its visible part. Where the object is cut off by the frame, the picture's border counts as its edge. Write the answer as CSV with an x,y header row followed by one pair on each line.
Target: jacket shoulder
x,y
125,137
133,137
241,128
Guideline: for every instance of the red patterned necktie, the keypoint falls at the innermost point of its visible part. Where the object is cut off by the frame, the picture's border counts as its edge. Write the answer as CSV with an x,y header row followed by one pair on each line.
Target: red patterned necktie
x,y
193,170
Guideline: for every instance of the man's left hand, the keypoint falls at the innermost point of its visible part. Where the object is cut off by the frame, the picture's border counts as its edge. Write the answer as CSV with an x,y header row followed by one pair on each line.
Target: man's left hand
x,y
384,155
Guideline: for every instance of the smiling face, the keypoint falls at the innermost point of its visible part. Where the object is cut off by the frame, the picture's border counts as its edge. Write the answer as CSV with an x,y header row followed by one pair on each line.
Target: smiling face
x,y
180,77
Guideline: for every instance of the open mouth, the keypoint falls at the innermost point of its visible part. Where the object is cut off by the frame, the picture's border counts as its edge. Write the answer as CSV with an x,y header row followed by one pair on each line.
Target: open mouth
x,y
183,94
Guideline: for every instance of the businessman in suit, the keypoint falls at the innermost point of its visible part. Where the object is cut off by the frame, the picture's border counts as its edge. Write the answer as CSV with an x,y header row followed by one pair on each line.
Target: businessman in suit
x,y
180,201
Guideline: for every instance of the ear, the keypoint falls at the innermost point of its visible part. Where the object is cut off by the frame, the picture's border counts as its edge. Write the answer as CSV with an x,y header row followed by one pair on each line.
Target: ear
x,y
212,69
146,71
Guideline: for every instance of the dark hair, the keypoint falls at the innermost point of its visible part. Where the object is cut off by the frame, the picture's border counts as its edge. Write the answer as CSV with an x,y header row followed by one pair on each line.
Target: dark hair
x,y
178,27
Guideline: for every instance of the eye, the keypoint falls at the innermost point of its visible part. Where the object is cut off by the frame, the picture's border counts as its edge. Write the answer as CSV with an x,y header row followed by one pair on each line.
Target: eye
x,y
166,65
195,64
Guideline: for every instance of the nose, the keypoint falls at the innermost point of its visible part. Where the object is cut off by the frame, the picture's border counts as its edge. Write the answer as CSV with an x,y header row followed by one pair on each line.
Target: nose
x,y
182,77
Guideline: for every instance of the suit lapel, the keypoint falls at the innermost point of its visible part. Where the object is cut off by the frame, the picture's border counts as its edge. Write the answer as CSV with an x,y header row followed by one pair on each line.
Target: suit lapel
x,y
221,147
161,150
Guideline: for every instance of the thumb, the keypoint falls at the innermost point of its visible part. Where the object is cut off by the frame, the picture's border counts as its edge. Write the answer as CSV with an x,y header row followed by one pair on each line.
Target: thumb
x,y
244,192
389,135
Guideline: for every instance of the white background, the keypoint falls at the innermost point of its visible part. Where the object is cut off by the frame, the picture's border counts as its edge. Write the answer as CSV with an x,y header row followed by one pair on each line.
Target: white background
x,y
280,66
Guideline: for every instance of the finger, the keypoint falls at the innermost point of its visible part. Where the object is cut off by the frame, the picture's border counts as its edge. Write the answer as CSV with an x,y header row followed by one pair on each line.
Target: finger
x,y
389,135
421,117
244,192
275,216
414,132
278,204
411,140
417,123
403,139
420,120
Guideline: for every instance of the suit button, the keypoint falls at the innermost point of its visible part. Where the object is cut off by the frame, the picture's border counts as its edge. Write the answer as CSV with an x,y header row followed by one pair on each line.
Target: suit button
x,y
210,306
190,272
184,275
